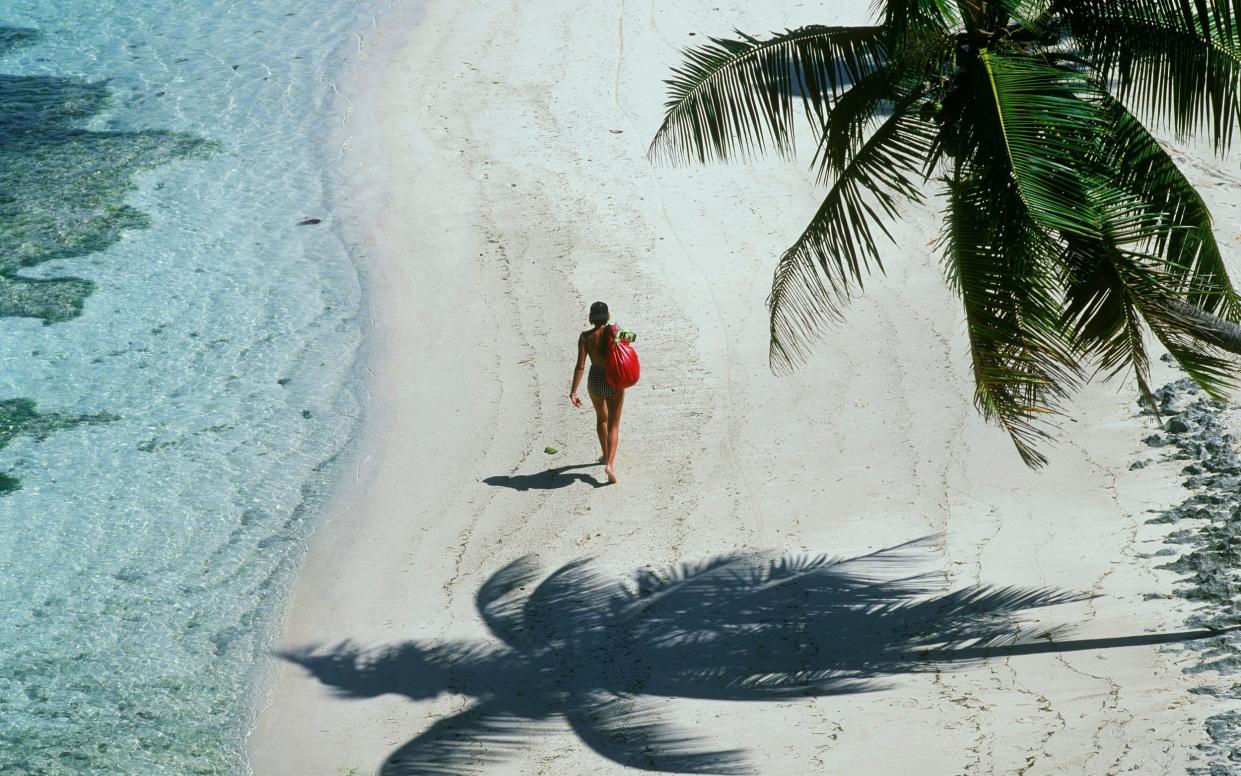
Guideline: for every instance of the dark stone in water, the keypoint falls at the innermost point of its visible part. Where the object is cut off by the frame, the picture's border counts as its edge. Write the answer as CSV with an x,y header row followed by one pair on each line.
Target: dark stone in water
x,y
310,222
306,414
284,381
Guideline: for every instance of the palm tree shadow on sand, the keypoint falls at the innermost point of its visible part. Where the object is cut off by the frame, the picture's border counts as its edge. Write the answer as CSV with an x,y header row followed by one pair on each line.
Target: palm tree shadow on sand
x,y
592,650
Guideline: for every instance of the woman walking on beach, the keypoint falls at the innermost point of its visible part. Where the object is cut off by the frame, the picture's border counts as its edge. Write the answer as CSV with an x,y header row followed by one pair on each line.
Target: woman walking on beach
x,y
608,401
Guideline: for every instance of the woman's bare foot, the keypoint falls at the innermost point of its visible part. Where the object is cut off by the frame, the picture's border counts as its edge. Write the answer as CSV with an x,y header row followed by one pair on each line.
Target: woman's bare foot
x,y
611,475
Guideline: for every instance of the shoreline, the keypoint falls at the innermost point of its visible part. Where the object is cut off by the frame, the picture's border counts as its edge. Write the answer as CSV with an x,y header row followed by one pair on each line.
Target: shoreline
x,y
509,200
347,200
218,346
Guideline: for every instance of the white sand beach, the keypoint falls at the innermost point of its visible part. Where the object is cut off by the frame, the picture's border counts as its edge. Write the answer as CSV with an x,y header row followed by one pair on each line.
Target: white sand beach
x,y
499,153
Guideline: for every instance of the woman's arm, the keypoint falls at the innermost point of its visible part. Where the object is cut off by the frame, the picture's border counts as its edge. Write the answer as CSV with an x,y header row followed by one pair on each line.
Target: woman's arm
x,y
578,370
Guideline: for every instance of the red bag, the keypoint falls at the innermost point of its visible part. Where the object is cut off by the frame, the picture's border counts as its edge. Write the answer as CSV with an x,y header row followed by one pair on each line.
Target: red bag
x,y
622,366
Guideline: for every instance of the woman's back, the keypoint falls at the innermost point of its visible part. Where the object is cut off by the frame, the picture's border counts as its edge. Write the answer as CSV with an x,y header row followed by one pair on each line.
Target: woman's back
x,y
596,342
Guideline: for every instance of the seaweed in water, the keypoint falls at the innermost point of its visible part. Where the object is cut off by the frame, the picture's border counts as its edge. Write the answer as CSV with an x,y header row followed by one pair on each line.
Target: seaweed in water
x,y
62,191
62,187
20,417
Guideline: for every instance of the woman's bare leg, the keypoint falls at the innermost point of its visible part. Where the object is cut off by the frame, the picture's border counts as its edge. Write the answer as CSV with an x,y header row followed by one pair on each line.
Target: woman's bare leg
x,y
601,424
615,403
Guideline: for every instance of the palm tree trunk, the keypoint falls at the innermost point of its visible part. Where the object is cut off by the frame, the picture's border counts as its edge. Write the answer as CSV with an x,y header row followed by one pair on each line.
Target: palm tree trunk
x,y
972,14
1222,333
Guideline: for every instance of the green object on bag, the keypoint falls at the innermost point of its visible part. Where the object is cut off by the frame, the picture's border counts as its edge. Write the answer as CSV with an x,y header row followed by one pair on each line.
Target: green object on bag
x,y
628,335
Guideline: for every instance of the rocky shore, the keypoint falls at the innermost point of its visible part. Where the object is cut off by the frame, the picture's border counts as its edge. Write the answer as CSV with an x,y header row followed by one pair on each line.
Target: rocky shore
x,y
1205,548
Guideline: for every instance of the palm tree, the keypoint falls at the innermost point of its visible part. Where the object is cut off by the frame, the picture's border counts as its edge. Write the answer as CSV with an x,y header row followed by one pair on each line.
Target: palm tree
x,y
1068,230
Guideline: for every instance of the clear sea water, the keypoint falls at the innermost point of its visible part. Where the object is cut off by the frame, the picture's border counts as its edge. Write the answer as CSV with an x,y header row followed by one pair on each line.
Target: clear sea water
x,y
178,365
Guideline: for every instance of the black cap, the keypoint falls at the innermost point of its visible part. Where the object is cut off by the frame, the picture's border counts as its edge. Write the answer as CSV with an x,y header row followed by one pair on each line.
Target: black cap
x,y
599,313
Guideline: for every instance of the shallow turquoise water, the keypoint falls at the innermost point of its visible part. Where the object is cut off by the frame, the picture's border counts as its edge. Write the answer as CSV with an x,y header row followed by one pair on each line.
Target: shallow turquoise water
x,y
179,366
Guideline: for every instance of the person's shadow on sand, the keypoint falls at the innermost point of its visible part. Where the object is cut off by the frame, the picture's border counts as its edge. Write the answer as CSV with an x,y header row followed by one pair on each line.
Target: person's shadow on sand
x,y
600,653
548,479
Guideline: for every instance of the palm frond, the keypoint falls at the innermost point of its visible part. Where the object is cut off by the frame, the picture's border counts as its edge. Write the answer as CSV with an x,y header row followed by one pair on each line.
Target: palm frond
x,y
1188,334
816,276
904,19
1144,281
897,84
1156,263
1032,16
1002,264
1048,118
1102,315
854,112
1174,59
735,98
1140,165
